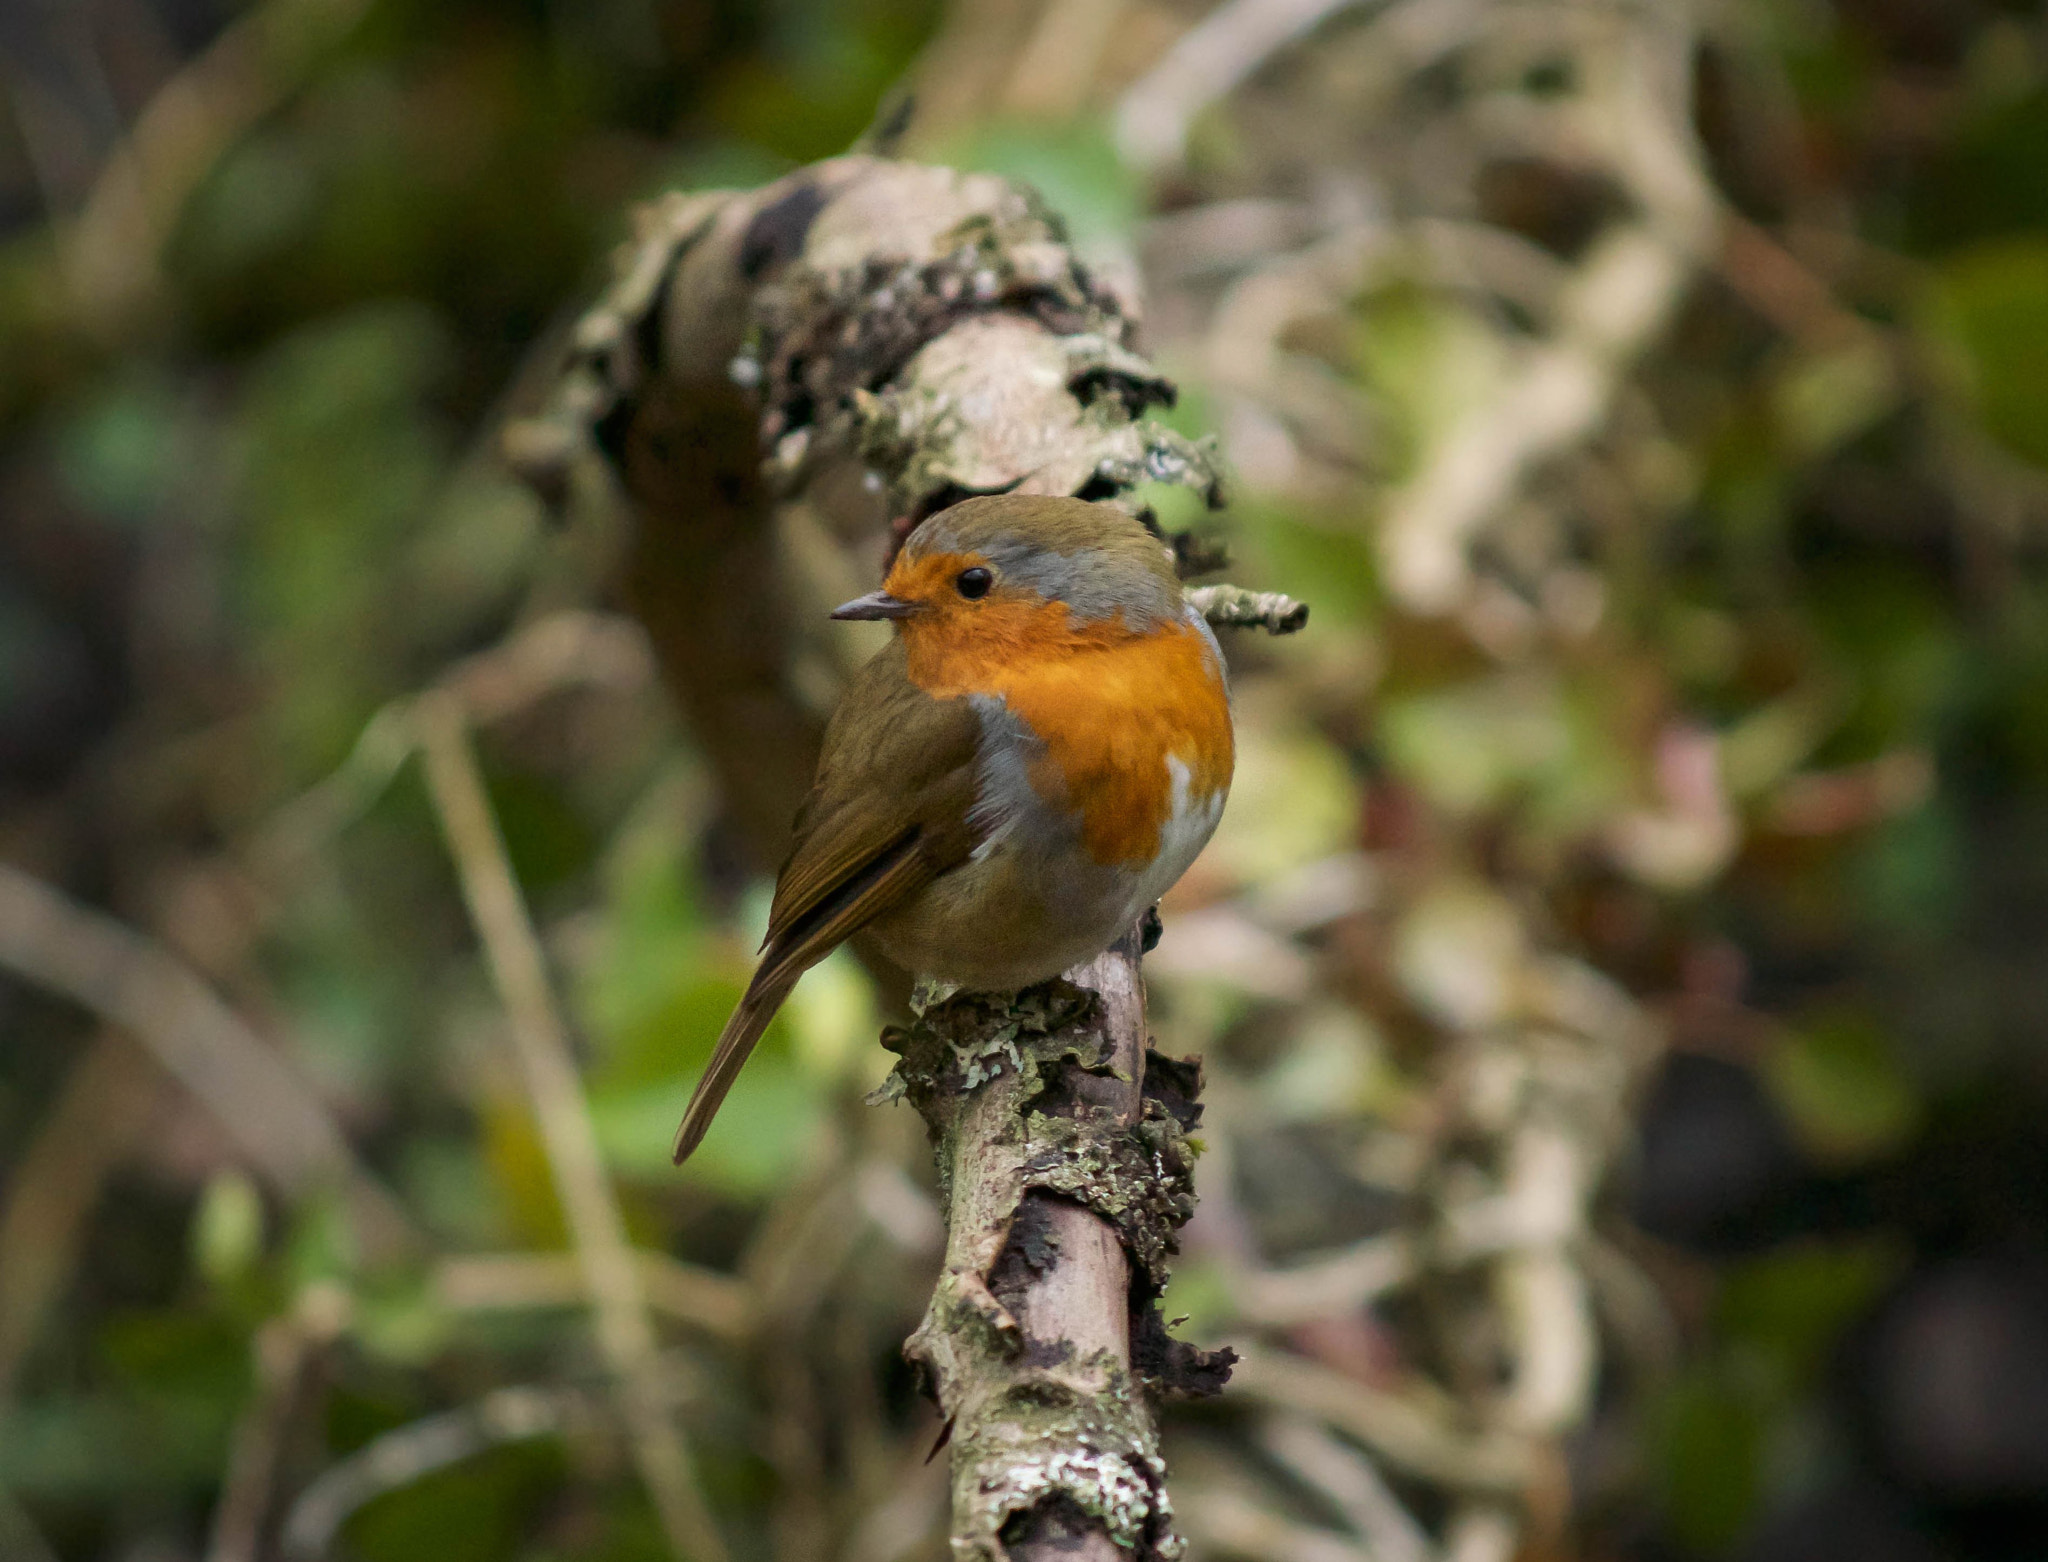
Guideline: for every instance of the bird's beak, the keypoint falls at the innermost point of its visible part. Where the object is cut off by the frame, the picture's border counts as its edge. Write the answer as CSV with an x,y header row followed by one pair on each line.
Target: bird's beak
x,y
876,604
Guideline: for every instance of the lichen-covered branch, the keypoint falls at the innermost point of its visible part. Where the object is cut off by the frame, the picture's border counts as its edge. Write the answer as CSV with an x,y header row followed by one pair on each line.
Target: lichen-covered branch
x,y
784,382
1066,1173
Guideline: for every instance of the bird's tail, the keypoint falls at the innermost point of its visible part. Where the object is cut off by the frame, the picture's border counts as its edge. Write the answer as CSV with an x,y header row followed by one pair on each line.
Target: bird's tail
x,y
735,1042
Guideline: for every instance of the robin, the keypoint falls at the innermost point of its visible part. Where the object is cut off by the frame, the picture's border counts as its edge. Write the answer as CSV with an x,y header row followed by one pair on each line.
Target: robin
x,y
1033,761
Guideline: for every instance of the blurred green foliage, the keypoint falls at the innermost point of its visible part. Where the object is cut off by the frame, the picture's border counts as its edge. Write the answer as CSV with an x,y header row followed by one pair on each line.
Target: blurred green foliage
x,y
264,506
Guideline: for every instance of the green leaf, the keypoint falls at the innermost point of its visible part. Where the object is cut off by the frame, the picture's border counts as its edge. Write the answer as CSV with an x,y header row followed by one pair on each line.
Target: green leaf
x,y
322,1242
227,1228
1429,360
1293,801
120,454
1332,568
1839,1081
1990,316
1910,875
1826,399
774,1111
1789,1307
476,1511
96,1447
1711,1466
1983,182
1472,746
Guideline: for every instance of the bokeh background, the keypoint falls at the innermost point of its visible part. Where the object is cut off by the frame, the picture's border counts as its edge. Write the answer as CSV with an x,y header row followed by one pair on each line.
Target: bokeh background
x,y
1652,401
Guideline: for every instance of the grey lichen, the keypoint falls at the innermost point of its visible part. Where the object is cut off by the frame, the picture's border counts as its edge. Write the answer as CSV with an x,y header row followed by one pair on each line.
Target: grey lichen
x,y
981,1058
881,356
1140,1179
959,1046
1039,1027
1122,1487
1233,607
1037,1441
1013,1091
822,332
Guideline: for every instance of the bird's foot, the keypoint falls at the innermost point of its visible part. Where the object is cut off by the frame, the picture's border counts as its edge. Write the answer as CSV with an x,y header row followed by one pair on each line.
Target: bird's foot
x,y
1149,929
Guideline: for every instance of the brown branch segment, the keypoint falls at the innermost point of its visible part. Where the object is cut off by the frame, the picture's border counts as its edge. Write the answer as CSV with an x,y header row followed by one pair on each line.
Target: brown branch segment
x,y
1066,1174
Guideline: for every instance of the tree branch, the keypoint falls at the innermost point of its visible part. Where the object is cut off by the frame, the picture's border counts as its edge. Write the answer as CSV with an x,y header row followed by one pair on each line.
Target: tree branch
x,y
775,379
1066,1174
612,1277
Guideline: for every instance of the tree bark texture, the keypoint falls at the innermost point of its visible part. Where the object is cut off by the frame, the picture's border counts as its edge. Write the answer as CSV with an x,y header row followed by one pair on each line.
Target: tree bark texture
x,y
1066,1173
781,378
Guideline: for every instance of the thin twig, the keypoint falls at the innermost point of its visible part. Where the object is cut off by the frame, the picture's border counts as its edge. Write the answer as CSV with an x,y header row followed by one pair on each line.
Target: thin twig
x,y
623,1321
1225,48
1235,607
419,1449
1326,1287
1481,1532
1058,63
1234,1524
1405,1430
1352,1484
561,650
51,1190
701,1298
180,135
288,1351
1622,297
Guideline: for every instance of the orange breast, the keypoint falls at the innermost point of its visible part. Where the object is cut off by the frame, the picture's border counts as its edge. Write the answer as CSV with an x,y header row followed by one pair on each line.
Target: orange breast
x,y
1109,706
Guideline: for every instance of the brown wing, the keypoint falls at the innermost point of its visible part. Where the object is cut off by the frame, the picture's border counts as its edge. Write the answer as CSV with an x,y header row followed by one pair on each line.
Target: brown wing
x,y
888,813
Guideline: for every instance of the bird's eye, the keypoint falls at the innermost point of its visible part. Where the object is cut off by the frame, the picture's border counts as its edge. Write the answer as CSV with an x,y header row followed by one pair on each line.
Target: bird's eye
x,y
973,583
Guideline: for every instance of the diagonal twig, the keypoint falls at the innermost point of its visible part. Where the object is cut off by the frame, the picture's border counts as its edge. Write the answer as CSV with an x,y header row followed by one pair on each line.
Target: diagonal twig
x,y
684,1293
98,1117
612,1275
288,1350
413,1452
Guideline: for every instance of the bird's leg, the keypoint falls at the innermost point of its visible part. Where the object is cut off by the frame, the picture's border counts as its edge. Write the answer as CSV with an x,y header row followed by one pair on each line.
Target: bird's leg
x,y
1149,929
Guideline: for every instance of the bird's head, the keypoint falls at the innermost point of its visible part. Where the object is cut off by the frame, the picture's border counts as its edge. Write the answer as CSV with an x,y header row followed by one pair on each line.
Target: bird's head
x,y
1021,567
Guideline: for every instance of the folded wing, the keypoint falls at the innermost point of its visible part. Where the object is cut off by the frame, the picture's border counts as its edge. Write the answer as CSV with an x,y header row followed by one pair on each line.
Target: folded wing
x,y
889,812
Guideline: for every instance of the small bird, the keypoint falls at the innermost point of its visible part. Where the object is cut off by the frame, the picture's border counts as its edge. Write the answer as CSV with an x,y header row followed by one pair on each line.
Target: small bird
x,y
1004,790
